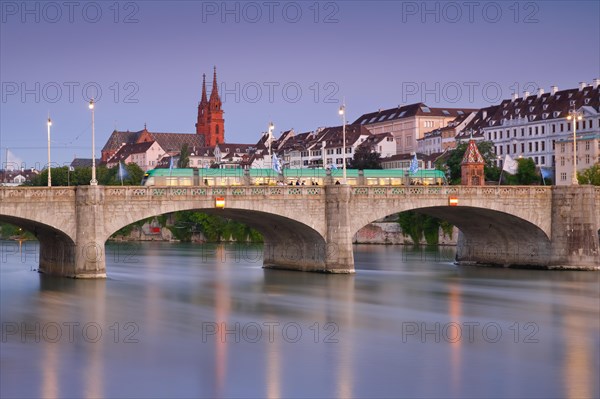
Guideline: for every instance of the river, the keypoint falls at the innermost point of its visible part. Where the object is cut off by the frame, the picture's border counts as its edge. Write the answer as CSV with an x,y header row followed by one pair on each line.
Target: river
x,y
184,320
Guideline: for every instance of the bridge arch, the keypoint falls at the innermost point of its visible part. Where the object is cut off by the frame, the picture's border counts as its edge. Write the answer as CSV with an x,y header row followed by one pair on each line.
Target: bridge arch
x,y
291,240
507,231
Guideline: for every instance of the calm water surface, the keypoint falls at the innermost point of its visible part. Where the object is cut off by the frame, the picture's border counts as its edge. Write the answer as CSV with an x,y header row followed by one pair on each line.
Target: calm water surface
x,y
177,320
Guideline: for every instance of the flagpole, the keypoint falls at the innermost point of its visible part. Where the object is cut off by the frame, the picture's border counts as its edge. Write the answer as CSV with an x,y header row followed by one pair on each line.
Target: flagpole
x,y
500,180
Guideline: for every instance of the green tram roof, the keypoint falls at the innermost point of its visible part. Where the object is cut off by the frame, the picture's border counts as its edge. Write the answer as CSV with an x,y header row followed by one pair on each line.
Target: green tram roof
x,y
299,173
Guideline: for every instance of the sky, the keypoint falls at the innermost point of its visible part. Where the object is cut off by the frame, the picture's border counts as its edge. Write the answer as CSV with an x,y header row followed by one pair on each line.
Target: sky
x,y
289,62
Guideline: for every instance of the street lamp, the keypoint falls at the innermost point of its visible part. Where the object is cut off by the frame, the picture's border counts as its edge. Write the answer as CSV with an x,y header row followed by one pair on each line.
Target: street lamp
x,y
342,112
49,123
574,116
93,182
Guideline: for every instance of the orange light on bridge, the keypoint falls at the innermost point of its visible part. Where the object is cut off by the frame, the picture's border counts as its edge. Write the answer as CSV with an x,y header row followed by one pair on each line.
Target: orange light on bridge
x,y
220,202
452,201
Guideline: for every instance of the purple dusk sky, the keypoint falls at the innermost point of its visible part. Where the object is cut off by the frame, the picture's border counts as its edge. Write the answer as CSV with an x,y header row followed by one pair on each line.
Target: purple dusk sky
x,y
285,61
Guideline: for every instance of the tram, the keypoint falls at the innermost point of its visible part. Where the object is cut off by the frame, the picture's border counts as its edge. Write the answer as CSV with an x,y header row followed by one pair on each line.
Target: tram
x,y
241,177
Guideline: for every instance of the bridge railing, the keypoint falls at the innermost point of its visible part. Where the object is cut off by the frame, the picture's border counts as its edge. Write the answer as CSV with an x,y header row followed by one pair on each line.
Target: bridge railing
x,y
37,193
496,191
192,192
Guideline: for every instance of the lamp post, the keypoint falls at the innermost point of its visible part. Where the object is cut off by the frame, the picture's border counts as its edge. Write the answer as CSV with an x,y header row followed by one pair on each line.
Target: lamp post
x,y
49,123
574,116
342,112
93,182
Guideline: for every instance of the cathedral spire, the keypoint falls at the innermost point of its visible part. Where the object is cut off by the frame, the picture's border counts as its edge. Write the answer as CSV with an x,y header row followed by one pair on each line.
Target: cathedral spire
x,y
214,95
203,100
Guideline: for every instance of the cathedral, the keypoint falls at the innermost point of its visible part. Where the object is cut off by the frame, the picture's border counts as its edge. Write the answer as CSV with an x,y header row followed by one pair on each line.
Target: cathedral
x,y
210,122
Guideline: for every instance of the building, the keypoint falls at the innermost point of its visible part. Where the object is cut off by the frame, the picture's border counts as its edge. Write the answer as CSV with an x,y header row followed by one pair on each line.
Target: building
x,y
442,139
210,123
16,177
167,144
588,154
210,131
409,123
531,125
472,166
145,155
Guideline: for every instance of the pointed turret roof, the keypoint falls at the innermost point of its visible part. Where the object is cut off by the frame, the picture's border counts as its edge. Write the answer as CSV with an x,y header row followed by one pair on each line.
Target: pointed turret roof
x,y
203,100
214,94
472,154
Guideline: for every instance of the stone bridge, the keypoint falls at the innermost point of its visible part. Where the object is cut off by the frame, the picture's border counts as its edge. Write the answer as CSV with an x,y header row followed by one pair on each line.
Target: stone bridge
x,y
310,228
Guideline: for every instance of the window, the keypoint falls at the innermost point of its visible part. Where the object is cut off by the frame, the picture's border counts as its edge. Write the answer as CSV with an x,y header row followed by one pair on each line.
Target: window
x,y
500,147
425,109
543,146
536,160
587,145
508,148
536,130
543,129
514,132
500,134
562,127
563,176
587,158
543,160
495,135
530,146
536,147
562,161
553,128
522,148
337,151
562,147
514,148
530,130
522,132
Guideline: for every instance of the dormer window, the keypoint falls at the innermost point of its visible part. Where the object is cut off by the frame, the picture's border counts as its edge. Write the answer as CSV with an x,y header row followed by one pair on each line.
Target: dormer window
x,y
517,111
544,115
586,101
556,114
531,109
504,112
532,117
545,107
572,102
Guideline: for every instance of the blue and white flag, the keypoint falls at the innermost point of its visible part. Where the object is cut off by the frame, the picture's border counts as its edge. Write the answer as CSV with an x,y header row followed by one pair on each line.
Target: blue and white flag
x,y
414,165
276,164
171,163
333,166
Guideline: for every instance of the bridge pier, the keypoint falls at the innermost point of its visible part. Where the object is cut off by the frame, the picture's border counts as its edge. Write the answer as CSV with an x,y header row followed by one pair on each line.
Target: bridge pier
x,y
90,261
339,256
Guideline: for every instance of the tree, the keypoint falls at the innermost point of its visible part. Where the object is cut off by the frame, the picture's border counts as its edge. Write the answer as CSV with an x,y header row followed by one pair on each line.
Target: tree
x,y
451,164
590,175
364,158
526,173
184,157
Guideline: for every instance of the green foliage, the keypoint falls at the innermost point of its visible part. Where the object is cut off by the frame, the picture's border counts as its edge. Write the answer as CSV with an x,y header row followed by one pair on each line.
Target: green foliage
x,y
9,231
417,226
590,175
526,173
184,157
215,228
364,158
452,163
82,176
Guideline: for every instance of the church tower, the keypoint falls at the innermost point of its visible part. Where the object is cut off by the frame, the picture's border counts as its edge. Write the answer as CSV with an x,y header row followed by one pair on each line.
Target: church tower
x,y
210,115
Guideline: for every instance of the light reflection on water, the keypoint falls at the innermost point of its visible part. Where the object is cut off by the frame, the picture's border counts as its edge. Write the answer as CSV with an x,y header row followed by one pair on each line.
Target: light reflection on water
x,y
393,328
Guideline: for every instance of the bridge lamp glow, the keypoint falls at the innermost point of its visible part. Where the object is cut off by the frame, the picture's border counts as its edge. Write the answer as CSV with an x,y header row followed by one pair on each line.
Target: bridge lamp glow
x,y
220,202
452,201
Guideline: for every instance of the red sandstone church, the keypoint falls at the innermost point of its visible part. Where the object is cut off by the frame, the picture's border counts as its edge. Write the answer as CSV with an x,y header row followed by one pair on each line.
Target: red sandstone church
x,y
146,148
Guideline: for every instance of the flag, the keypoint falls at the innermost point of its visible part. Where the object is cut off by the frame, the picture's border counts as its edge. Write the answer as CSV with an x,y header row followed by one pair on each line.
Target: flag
x,y
510,165
122,172
414,165
171,163
333,166
276,164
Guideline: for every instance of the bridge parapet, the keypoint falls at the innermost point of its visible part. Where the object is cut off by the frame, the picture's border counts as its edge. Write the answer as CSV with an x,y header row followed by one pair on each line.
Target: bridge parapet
x,y
185,193
489,191
40,194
